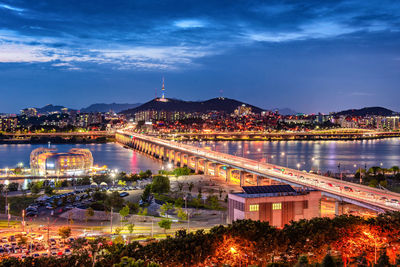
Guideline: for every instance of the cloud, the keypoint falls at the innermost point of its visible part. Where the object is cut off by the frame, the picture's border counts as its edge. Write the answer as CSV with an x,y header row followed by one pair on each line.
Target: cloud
x,y
189,23
8,7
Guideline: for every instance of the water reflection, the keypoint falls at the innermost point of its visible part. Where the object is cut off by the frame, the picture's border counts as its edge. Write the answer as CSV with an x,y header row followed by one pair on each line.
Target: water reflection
x,y
327,154
113,155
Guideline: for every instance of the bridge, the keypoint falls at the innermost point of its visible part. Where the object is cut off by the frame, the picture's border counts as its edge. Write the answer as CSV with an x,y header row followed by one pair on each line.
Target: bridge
x,y
62,134
246,171
341,134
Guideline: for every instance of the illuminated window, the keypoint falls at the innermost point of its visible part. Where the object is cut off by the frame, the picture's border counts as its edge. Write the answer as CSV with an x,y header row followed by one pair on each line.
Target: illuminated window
x,y
276,206
254,207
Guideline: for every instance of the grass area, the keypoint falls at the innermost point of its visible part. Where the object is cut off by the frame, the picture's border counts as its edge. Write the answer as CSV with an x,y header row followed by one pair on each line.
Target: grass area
x,y
190,204
4,224
17,203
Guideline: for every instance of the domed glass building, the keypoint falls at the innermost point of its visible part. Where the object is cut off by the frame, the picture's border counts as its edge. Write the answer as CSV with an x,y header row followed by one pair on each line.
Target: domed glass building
x,y
46,161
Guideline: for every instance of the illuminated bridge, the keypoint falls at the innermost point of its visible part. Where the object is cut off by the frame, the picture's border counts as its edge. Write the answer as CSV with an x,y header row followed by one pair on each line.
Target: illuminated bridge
x,y
340,134
249,172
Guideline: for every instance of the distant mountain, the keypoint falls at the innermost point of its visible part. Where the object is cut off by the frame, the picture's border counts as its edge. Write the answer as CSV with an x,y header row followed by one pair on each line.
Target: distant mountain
x,y
378,111
102,107
220,104
49,108
286,111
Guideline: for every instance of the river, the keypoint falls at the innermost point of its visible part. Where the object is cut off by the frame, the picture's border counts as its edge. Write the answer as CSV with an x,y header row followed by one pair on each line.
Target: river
x,y
323,155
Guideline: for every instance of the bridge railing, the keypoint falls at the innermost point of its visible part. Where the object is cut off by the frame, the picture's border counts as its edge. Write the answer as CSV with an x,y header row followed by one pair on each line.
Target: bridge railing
x,y
331,185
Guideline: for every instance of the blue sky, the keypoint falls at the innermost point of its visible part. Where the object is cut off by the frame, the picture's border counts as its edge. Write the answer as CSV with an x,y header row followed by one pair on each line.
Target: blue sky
x,y
309,55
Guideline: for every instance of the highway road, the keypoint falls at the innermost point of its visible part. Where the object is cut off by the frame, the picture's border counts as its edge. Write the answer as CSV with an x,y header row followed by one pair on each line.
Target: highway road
x,y
385,200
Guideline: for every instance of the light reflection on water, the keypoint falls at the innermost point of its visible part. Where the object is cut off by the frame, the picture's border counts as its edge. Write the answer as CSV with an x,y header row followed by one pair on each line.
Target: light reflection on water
x,y
327,154
113,155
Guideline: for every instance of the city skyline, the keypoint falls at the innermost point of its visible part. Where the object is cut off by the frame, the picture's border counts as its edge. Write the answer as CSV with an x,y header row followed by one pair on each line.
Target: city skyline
x,y
304,55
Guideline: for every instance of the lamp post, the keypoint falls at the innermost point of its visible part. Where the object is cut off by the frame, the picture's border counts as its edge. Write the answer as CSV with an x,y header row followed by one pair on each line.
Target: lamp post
x,y
298,166
359,170
317,161
283,154
6,182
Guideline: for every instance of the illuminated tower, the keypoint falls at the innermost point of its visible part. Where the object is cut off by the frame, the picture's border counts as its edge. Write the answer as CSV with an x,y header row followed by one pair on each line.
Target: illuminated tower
x,y
163,89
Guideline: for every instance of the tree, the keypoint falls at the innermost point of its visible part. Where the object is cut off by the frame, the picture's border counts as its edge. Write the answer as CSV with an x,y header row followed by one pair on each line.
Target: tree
x,y
160,184
146,193
88,214
191,185
180,186
395,170
165,224
328,261
48,190
131,227
166,207
35,189
142,212
179,203
124,212
213,201
182,215
303,261
383,260
114,200
64,232
122,183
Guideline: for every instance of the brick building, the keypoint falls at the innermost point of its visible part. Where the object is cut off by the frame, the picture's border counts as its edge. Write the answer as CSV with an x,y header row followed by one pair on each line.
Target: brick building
x,y
277,204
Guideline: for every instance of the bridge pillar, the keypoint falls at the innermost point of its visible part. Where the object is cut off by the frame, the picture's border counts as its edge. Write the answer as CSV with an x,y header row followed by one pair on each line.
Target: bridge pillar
x,y
256,178
228,174
177,158
196,165
241,177
338,208
182,160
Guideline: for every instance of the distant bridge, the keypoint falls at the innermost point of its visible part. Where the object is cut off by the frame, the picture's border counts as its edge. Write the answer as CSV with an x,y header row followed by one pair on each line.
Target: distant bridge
x,y
246,171
61,134
313,135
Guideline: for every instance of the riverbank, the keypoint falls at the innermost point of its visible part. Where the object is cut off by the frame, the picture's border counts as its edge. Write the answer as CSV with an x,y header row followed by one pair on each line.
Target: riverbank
x,y
58,140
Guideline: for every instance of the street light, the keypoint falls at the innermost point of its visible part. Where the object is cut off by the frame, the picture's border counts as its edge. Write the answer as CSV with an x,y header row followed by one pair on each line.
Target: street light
x,y
298,166
6,182
285,155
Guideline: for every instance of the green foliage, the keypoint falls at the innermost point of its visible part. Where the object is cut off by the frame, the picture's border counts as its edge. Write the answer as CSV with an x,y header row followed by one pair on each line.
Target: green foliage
x,y
48,190
182,215
35,188
146,192
142,212
165,224
165,208
160,184
181,171
130,227
133,207
213,201
130,262
124,211
190,187
179,202
13,186
115,201
64,231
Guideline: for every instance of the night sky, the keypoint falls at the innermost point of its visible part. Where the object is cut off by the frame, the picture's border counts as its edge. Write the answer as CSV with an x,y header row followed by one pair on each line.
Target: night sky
x,y
305,55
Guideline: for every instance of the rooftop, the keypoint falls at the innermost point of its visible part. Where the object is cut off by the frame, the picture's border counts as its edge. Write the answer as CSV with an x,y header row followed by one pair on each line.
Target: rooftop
x,y
268,191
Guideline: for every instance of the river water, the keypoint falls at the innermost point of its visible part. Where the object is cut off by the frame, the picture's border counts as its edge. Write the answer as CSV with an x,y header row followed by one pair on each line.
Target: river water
x,y
322,155
113,155
326,154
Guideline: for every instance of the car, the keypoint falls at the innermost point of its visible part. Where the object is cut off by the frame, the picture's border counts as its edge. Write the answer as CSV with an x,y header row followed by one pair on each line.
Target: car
x,y
11,238
31,214
49,207
124,194
67,251
53,241
45,254
53,253
71,240
35,255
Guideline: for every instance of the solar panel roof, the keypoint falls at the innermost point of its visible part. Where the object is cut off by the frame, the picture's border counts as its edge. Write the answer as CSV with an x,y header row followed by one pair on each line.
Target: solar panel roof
x,y
268,189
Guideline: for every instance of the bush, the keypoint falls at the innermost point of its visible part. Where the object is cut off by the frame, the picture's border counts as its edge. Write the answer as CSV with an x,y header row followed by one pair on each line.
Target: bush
x,y
160,184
